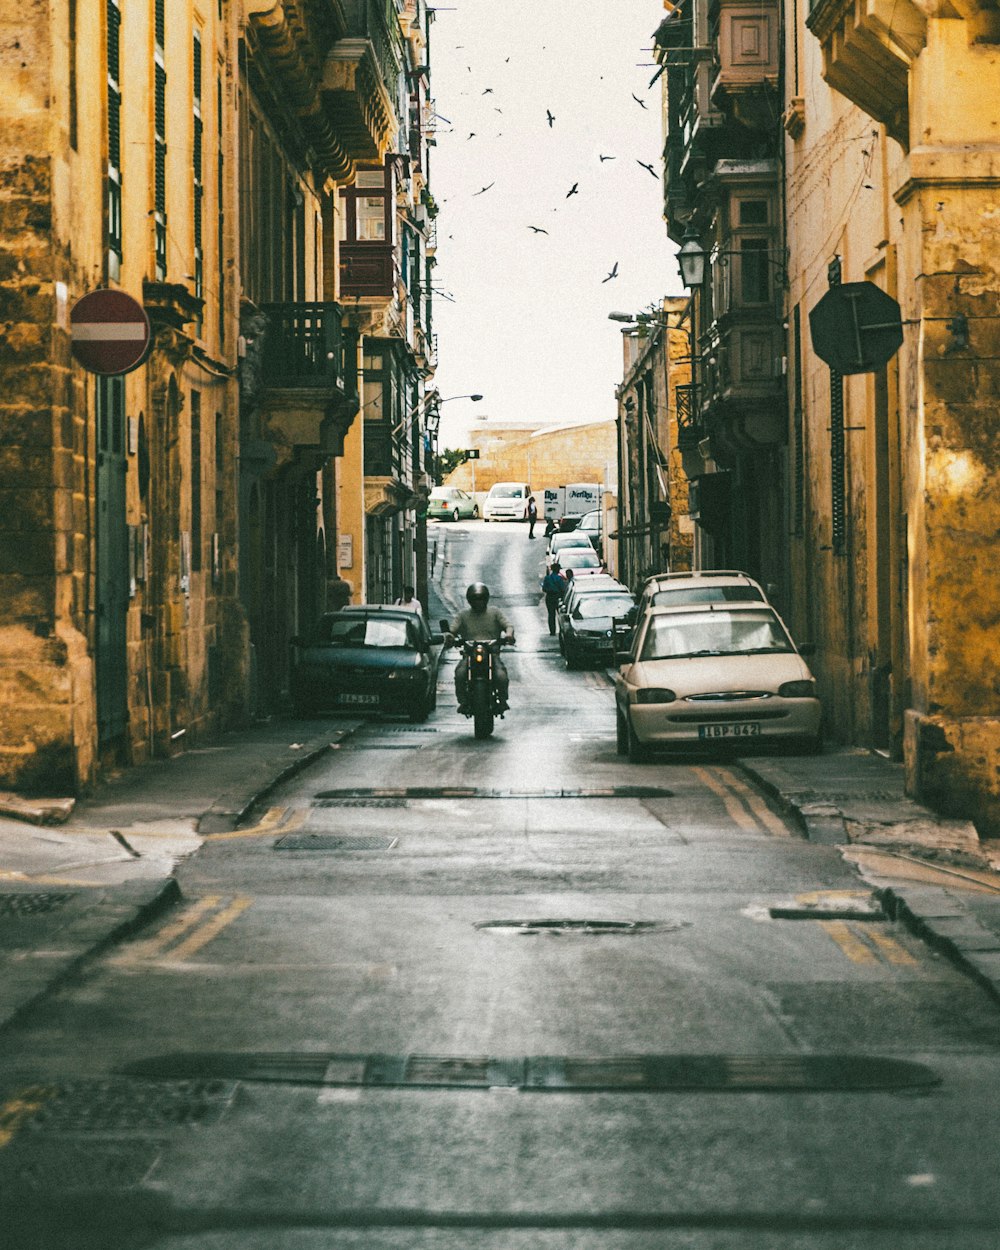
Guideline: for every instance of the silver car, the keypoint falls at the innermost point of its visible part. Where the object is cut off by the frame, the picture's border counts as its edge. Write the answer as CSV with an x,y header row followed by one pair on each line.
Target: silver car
x,y
714,674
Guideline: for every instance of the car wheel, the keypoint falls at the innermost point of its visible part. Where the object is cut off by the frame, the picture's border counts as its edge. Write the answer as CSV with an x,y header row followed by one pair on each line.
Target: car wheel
x,y
475,512
303,708
812,745
420,711
621,732
562,645
638,752
456,515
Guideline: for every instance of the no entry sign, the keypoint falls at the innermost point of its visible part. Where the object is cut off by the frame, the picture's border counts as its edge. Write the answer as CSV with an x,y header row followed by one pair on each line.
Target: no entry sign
x,y
109,332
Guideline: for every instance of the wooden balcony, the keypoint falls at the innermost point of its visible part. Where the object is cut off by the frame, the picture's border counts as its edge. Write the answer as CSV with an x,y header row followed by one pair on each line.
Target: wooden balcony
x,y
309,385
367,270
746,70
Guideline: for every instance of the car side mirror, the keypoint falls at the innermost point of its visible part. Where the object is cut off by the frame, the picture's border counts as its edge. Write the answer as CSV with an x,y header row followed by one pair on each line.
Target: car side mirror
x,y
444,626
437,640
807,649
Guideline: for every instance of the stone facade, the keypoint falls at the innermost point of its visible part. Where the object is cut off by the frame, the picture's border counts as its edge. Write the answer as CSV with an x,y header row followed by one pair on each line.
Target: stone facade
x,y
541,456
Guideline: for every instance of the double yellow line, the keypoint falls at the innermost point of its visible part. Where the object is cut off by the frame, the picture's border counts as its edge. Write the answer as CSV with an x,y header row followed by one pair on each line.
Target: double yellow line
x,y
197,925
865,943
744,805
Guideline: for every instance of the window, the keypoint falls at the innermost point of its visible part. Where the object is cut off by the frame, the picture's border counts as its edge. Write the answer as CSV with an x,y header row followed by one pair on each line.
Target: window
x,y
160,145
368,205
753,212
195,481
197,176
755,278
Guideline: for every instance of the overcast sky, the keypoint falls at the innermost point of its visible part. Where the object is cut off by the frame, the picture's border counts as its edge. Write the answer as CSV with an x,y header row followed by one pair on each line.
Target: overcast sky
x,y
528,327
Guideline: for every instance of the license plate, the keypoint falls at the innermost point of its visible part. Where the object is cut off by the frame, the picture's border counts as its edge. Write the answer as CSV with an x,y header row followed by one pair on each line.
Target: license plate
x,y
743,729
356,699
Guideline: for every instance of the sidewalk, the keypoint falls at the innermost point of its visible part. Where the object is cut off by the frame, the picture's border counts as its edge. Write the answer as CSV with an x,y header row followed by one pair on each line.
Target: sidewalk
x,y
67,891
931,873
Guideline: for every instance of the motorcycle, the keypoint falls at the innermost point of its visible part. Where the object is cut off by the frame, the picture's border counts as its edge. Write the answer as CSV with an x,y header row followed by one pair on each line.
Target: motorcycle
x,y
483,696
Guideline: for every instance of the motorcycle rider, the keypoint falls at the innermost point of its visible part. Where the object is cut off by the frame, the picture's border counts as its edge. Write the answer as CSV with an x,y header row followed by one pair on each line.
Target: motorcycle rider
x,y
479,622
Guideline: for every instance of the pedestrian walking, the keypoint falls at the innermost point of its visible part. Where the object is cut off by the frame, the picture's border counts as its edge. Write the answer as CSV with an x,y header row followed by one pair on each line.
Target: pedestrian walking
x,y
532,515
553,587
550,527
409,600
338,593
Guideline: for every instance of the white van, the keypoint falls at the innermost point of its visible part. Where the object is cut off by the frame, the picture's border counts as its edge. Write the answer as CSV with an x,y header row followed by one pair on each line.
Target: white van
x,y
507,501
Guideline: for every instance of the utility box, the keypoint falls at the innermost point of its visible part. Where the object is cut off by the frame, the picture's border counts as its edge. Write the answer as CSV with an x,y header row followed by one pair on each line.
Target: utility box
x,y
554,502
581,497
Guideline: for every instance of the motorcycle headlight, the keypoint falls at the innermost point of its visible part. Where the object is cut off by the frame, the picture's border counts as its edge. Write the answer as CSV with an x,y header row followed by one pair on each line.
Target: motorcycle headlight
x,y
655,694
797,690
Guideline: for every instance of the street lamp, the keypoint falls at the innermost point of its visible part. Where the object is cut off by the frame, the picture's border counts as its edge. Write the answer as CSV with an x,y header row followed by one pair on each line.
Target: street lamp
x,y
691,260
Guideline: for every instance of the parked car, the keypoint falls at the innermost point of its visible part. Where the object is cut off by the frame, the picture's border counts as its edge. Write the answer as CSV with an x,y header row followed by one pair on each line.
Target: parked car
x,y
582,560
506,501
368,658
716,674
591,525
586,628
448,503
561,542
700,586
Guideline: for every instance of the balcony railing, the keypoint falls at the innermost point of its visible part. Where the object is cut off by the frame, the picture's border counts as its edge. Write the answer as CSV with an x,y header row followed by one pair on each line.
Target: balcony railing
x,y
690,430
304,347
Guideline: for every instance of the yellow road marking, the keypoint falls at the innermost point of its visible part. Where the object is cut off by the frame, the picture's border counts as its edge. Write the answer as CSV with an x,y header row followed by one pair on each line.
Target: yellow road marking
x,y
14,1113
211,929
737,812
186,920
894,951
756,803
284,818
849,942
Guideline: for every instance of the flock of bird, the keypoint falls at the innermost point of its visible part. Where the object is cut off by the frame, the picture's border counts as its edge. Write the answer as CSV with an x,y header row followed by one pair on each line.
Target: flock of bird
x,y
551,119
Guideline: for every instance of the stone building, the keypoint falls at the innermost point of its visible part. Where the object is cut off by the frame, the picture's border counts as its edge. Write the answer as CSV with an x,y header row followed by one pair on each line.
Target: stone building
x,y
165,533
801,155
655,531
121,631
539,455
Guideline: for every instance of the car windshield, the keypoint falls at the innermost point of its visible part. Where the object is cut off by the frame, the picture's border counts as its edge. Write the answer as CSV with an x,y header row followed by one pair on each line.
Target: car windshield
x,y
368,631
686,634
604,605
705,594
506,492
579,558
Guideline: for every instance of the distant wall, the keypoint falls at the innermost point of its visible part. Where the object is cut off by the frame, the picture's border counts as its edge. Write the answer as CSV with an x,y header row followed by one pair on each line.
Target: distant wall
x,y
540,457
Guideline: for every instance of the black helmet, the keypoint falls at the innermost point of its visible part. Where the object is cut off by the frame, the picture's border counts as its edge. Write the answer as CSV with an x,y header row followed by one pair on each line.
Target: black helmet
x,y
478,595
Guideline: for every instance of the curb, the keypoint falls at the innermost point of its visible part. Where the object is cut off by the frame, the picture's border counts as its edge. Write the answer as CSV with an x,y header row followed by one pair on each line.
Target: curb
x,y
94,935
819,822
941,921
229,811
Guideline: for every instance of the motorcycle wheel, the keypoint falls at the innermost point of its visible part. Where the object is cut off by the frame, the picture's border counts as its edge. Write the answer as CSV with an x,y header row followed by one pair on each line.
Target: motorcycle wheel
x,y
482,710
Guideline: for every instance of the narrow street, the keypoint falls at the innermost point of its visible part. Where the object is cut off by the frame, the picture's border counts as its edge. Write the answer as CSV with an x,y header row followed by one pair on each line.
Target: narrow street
x,y
561,1001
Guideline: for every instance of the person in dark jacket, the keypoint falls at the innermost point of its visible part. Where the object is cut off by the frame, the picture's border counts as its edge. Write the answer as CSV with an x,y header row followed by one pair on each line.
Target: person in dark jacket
x,y
532,515
553,587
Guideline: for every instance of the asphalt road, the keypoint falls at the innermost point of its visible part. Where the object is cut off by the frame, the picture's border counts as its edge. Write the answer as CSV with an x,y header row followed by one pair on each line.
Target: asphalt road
x,y
597,1017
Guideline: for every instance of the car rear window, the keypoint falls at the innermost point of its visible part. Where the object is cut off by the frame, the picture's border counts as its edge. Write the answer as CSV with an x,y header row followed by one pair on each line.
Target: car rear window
x,y
706,594
686,634
604,605
579,558
370,631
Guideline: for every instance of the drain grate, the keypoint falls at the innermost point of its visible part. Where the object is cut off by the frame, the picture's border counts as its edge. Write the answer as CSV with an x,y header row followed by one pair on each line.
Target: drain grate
x,y
585,928
558,1073
830,905
21,905
825,913
109,1106
410,729
81,1165
386,803
332,842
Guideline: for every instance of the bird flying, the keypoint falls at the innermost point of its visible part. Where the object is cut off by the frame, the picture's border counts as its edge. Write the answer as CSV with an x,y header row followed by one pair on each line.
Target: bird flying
x,y
612,274
607,158
573,190
550,117
641,103
488,91
649,167
482,189
538,230
472,135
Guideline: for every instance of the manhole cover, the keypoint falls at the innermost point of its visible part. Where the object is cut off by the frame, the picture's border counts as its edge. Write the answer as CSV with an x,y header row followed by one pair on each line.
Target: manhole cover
x,y
561,1073
586,928
20,905
385,803
123,1106
331,842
